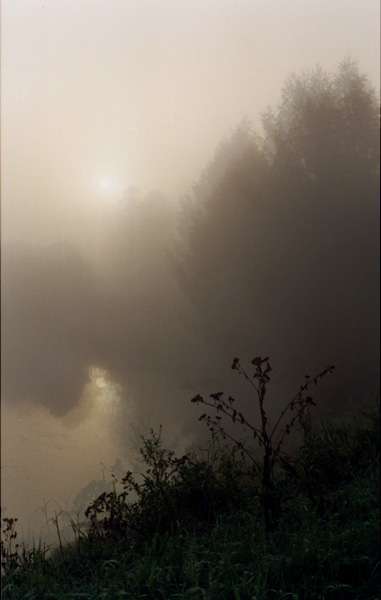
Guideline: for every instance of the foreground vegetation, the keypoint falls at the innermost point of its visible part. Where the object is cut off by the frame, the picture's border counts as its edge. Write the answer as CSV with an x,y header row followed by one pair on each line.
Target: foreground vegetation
x,y
235,522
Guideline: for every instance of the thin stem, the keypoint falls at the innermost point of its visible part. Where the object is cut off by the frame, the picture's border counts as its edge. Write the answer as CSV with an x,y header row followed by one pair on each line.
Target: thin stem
x,y
297,396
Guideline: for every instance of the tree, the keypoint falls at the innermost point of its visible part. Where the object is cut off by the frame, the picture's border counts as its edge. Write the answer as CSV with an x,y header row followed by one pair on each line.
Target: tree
x,y
283,256
50,314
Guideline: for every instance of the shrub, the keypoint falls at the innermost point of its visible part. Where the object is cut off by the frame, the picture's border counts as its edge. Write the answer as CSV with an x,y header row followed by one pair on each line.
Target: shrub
x,y
269,437
188,491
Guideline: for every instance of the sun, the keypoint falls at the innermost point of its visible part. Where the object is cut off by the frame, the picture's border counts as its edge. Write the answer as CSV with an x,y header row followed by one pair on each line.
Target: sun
x,y
105,183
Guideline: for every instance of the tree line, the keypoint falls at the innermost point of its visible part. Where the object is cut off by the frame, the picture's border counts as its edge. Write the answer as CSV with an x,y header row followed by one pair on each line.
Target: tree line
x,y
275,251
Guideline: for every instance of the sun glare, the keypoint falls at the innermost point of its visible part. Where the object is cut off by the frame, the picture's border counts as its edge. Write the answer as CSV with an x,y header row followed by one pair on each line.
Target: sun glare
x,y
100,382
105,183
108,391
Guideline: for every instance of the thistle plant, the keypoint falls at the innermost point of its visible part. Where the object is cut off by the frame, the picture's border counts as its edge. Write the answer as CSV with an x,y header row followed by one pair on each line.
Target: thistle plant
x,y
270,438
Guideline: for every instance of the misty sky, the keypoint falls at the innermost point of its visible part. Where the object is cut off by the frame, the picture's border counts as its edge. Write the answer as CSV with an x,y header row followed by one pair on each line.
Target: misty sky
x,y
142,91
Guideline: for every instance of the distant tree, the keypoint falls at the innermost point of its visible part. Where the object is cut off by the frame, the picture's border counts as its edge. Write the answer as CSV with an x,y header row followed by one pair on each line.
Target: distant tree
x,y
139,291
50,313
282,253
63,314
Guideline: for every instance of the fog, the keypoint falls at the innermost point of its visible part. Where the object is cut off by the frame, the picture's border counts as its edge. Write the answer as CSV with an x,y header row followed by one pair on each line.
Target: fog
x,y
159,219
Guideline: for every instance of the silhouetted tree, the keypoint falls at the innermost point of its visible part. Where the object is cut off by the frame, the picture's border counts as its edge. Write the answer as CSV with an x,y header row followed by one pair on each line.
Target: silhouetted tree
x,y
283,252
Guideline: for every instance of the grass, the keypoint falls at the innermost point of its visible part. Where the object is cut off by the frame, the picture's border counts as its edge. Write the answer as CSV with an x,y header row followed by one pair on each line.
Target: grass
x,y
195,527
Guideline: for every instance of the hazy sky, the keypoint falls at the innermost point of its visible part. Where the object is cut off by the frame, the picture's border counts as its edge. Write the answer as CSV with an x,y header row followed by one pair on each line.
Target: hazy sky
x,y
141,91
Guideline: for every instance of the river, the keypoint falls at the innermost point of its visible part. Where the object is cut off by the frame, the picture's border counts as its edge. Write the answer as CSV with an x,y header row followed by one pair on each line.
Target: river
x,y
46,461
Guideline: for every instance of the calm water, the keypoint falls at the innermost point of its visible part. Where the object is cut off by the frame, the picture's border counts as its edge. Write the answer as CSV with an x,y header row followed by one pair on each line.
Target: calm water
x,y
46,461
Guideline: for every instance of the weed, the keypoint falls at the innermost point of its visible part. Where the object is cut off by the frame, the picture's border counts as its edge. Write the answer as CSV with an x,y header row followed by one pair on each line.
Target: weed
x,y
264,434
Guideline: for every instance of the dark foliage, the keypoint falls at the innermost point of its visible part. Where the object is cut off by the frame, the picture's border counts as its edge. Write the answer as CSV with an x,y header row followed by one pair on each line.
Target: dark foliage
x,y
186,492
196,529
269,437
282,250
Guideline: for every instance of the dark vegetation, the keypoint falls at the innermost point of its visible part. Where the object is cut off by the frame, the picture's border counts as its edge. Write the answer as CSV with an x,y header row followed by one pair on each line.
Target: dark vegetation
x,y
283,236
239,520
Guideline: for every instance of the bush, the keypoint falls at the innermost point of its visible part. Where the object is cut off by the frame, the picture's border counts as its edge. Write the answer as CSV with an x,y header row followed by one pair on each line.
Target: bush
x,y
188,492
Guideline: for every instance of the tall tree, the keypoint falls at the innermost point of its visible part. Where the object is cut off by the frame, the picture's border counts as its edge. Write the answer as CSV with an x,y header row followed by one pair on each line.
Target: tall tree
x,y
283,258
